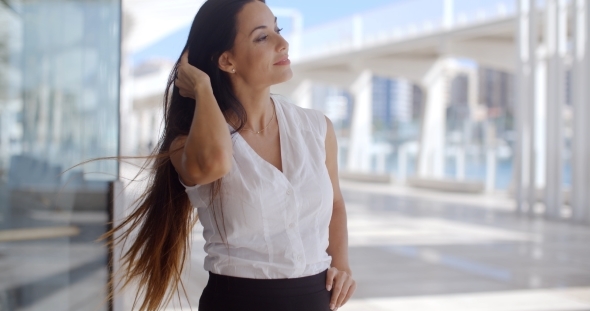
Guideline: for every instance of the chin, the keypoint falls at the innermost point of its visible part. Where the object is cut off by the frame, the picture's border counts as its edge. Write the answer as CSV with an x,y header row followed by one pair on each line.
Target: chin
x,y
286,76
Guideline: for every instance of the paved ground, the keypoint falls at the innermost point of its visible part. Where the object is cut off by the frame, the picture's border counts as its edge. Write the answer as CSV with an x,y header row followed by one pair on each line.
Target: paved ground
x,y
419,250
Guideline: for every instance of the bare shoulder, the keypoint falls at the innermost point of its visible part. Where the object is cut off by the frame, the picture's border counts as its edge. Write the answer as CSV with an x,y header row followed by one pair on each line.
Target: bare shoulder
x,y
330,134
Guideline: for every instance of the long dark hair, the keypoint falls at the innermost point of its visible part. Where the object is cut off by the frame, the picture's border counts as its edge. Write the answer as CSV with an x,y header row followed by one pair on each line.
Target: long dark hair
x,y
164,216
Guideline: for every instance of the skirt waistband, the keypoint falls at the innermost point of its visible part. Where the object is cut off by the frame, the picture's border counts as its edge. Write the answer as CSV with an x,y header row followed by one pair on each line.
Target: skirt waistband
x,y
261,287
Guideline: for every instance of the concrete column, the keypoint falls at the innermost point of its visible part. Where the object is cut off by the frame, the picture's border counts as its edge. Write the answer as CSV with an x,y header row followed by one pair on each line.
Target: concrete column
x,y
303,94
580,199
522,148
359,153
532,100
555,85
449,10
541,123
491,142
460,156
357,31
432,139
587,100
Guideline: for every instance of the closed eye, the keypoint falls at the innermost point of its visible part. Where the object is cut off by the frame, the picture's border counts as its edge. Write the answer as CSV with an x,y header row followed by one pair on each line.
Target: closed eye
x,y
278,30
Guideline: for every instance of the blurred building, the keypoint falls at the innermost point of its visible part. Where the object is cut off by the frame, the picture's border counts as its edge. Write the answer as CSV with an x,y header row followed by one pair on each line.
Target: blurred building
x,y
488,122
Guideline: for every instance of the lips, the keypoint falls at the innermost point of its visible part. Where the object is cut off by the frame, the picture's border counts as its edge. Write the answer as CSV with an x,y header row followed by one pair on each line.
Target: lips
x,y
284,61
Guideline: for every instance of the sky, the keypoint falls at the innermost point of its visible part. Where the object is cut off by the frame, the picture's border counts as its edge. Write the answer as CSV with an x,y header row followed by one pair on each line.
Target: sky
x,y
315,12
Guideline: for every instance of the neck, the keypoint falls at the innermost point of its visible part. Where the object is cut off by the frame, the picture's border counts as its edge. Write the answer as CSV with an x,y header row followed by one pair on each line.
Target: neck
x,y
258,106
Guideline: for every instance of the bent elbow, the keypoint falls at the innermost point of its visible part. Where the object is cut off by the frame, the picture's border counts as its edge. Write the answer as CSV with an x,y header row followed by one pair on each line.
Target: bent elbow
x,y
221,163
216,166
207,170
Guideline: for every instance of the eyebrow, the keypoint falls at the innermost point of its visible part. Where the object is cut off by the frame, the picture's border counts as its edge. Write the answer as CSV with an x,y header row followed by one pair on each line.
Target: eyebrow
x,y
261,27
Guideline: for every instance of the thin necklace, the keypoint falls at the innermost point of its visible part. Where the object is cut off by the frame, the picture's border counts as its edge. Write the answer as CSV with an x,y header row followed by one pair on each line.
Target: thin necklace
x,y
272,118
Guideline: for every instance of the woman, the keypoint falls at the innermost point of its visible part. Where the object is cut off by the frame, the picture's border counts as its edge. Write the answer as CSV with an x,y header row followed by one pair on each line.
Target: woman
x,y
261,172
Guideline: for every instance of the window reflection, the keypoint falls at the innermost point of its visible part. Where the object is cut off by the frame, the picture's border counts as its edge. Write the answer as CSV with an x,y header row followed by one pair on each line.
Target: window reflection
x,y
59,85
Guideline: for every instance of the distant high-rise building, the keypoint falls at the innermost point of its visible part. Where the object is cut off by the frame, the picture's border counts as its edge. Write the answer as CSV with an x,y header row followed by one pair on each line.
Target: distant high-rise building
x,y
459,90
417,102
496,88
392,102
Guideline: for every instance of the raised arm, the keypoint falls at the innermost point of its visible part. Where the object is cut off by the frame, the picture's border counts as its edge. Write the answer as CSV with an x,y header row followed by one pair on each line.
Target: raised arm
x,y
205,155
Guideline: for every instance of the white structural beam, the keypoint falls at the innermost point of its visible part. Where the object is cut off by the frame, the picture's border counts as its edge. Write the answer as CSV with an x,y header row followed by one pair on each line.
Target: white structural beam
x,y
532,101
522,149
540,122
580,199
555,32
493,52
410,67
432,134
587,101
359,152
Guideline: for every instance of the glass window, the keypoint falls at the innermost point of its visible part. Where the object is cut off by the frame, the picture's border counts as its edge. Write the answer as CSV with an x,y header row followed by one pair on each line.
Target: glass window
x,y
59,90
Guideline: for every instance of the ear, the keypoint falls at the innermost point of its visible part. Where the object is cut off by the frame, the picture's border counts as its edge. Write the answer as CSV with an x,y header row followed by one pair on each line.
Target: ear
x,y
226,63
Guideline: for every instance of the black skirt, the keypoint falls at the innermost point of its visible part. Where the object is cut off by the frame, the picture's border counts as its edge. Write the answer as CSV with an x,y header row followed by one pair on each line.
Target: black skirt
x,y
227,293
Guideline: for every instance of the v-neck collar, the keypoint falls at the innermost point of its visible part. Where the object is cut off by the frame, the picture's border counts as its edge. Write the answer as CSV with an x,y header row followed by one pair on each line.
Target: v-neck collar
x,y
282,137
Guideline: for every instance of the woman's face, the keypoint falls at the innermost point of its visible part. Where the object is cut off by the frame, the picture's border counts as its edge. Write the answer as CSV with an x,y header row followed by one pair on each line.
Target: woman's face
x,y
258,49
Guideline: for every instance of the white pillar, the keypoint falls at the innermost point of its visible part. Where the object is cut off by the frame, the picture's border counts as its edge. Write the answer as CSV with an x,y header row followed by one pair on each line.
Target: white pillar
x,y
587,99
402,163
357,31
541,123
555,84
491,142
580,199
532,100
303,94
359,156
432,136
449,9
522,148
460,156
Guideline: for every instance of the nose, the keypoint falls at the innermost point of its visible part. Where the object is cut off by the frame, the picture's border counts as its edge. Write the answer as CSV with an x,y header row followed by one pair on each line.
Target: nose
x,y
283,44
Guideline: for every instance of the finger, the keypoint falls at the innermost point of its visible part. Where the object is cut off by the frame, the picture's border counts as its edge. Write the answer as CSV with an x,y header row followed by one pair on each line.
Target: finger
x,y
338,284
184,57
330,278
179,85
343,292
350,292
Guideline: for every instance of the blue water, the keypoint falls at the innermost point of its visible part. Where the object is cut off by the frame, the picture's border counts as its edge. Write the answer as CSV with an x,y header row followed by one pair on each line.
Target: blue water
x,y
476,171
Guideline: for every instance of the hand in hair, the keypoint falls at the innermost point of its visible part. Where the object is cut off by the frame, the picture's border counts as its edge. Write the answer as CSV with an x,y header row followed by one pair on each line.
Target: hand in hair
x,y
189,79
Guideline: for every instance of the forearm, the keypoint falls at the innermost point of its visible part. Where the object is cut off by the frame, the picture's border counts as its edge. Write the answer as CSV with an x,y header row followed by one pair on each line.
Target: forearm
x,y
209,140
338,247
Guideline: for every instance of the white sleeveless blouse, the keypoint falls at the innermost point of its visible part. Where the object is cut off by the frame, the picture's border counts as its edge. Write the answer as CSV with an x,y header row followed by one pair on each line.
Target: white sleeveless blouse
x,y
276,223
